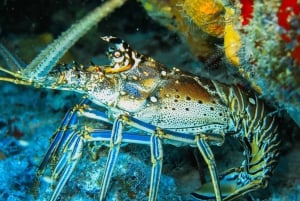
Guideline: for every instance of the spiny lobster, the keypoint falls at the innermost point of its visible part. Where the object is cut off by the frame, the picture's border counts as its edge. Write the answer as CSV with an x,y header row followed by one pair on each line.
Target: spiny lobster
x,y
161,106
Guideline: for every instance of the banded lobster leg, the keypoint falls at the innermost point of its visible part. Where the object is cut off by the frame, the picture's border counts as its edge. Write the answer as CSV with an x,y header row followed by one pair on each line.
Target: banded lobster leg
x,y
67,146
65,151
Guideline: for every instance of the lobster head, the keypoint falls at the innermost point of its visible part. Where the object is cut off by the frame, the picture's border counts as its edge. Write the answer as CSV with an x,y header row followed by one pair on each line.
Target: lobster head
x,y
129,79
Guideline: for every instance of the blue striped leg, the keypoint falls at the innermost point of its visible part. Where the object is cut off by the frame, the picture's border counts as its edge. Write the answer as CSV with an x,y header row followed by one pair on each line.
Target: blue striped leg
x,y
67,129
155,143
156,160
155,148
210,161
73,151
61,137
115,142
66,147
66,165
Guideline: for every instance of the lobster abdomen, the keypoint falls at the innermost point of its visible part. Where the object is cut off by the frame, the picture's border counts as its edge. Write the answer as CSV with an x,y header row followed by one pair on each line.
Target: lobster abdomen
x,y
256,129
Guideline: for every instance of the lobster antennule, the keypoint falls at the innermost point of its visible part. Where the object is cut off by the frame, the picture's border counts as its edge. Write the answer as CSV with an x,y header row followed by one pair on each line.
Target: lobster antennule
x,y
16,77
12,61
15,67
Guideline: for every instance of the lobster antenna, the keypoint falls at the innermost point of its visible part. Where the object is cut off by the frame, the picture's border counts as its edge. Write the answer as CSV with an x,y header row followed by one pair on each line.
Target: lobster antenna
x,y
48,58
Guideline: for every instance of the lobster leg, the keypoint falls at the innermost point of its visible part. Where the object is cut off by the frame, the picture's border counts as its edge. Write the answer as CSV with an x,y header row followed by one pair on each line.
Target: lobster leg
x,y
210,161
156,160
68,142
136,137
115,142
67,155
155,147
59,141
66,164
61,136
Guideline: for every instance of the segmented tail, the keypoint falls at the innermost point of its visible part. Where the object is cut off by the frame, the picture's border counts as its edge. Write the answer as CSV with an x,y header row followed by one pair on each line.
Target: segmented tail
x,y
256,129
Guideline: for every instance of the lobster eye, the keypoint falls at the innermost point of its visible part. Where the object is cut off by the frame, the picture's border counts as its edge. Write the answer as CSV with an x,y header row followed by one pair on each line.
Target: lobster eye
x,y
118,56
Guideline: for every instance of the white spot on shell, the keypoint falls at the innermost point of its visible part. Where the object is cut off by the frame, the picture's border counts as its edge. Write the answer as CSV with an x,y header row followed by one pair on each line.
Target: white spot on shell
x,y
153,99
163,73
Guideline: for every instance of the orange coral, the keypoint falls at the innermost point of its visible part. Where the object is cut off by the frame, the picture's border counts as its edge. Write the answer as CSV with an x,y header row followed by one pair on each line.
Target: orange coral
x,y
208,22
207,14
